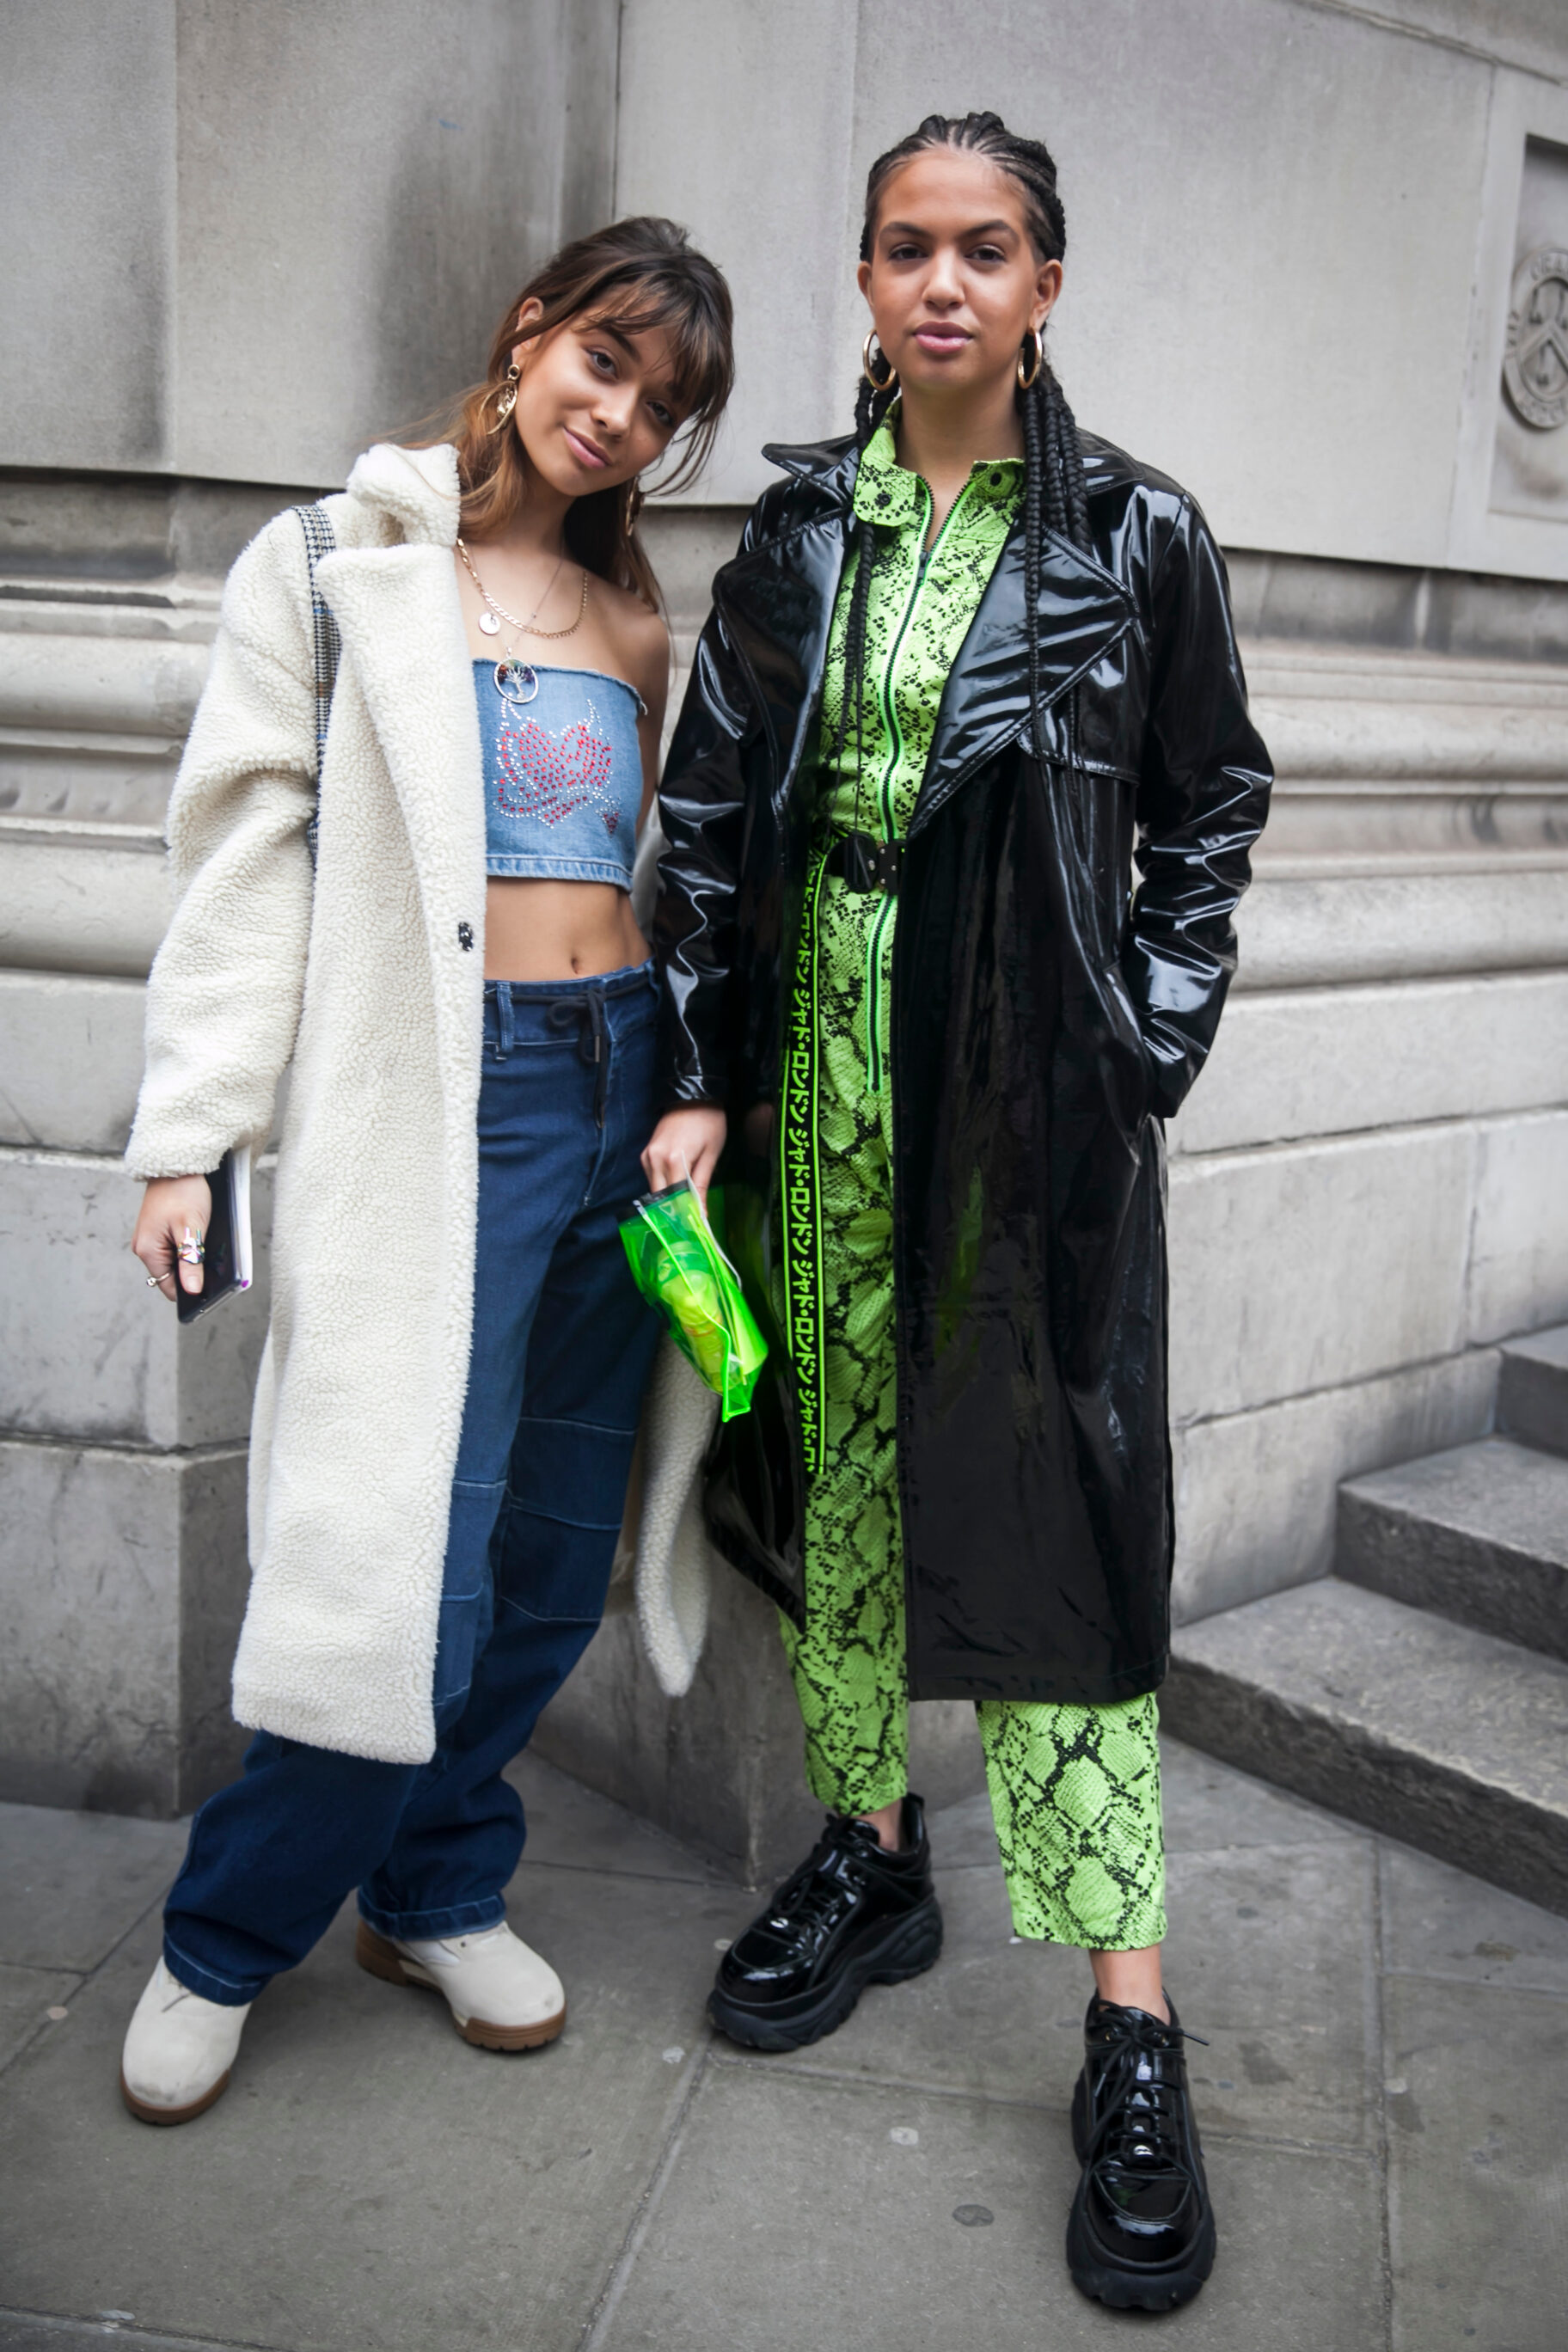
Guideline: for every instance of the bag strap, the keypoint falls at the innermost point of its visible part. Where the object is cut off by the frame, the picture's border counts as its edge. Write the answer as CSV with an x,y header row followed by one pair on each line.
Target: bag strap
x,y
326,647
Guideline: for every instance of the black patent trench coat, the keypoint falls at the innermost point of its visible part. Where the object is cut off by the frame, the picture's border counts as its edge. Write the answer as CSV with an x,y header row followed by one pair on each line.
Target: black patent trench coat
x,y
1044,1021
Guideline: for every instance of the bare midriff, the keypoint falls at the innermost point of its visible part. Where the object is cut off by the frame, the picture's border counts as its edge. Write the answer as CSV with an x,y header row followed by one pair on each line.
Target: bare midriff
x,y
558,929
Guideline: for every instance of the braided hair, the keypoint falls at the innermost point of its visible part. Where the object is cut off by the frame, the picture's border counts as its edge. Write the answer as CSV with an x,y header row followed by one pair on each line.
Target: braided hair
x,y
1053,495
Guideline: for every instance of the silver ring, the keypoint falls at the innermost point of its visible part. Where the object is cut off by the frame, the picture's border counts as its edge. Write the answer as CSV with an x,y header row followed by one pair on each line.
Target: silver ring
x,y
155,1280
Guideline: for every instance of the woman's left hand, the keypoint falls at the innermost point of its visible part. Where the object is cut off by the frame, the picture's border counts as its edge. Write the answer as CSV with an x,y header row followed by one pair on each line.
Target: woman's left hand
x,y
175,1210
685,1142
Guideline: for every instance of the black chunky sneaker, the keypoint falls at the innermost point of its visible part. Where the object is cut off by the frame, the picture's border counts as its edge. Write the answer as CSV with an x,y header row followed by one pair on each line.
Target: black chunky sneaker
x,y
852,1915
1141,2234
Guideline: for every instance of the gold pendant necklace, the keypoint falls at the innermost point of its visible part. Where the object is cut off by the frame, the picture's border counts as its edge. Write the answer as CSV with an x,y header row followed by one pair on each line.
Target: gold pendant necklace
x,y
516,681
491,621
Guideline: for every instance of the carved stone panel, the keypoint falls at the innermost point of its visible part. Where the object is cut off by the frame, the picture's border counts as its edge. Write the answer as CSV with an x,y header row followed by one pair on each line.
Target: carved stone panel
x,y
1535,367
1530,458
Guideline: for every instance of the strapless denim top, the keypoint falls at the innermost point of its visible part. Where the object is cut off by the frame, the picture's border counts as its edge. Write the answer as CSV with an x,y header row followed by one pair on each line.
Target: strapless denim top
x,y
563,771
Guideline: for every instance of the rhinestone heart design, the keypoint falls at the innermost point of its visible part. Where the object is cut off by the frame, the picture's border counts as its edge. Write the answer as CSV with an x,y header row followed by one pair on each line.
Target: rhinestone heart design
x,y
553,775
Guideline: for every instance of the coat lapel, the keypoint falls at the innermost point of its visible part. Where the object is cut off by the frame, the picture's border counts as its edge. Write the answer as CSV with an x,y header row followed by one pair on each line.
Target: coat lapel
x,y
405,645
985,703
778,601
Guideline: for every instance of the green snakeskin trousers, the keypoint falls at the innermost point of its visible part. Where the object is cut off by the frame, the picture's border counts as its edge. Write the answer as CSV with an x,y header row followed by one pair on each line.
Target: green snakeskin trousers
x,y
1075,1791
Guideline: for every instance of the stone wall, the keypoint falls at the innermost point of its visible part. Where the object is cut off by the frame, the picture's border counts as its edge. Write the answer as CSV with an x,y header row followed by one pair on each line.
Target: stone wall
x,y
1366,1189
1292,229
291,226
245,240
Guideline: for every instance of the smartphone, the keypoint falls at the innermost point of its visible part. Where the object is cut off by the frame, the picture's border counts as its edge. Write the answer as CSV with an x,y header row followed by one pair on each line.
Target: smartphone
x,y
225,1264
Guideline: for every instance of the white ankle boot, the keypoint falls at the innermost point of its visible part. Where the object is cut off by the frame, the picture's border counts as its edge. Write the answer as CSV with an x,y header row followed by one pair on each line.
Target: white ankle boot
x,y
501,1995
178,2051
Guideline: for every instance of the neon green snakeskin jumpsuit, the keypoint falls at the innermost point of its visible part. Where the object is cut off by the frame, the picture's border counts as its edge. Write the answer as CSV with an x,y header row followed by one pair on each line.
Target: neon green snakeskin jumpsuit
x,y
1075,1791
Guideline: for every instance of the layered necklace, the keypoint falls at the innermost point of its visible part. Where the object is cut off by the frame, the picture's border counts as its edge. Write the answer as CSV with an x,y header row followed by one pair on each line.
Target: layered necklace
x,y
518,681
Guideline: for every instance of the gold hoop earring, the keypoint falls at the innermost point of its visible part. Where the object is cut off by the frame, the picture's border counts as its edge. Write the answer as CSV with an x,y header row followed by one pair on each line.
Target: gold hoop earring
x,y
633,503
506,399
877,382
1026,382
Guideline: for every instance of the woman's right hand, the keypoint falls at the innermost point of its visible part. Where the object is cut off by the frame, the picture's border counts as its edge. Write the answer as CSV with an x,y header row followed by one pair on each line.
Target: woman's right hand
x,y
171,1206
685,1142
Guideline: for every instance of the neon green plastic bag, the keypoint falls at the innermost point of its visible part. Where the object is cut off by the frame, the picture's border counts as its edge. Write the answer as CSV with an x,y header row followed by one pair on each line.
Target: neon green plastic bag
x,y
680,1269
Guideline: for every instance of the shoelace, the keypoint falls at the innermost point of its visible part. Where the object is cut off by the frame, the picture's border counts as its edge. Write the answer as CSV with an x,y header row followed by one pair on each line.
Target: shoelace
x,y
1136,2124
819,1895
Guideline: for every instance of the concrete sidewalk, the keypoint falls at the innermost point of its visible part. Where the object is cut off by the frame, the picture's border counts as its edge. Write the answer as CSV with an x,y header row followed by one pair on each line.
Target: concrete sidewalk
x,y
1381,2102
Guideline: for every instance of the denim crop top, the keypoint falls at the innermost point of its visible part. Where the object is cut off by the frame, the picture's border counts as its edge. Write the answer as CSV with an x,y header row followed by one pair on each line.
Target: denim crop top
x,y
563,771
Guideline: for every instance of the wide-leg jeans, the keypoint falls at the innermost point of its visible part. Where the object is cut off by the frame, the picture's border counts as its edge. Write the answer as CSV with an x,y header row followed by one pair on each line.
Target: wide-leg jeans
x,y
562,1349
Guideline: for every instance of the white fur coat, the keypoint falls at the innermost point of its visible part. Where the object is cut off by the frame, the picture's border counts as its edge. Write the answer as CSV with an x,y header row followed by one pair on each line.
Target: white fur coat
x,y
370,978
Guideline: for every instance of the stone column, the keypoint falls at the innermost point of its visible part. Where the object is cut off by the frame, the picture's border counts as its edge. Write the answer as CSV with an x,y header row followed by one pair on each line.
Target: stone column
x,y
240,243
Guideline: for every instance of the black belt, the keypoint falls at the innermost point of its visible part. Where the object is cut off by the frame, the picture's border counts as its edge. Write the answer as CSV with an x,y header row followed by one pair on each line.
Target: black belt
x,y
865,863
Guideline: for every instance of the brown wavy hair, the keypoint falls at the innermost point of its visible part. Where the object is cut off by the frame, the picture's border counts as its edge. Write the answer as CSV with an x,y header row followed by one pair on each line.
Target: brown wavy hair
x,y
645,274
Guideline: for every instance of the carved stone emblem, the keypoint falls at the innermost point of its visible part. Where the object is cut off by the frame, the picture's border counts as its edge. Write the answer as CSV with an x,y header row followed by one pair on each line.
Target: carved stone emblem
x,y
1535,364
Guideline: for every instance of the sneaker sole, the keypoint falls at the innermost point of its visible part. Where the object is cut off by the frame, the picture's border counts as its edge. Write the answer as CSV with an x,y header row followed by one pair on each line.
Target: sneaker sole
x,y
380,1958
146,2113
1133,2291
914,1948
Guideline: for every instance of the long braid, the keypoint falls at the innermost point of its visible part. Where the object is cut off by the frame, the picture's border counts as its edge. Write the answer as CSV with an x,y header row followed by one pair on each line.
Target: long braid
x,y
871,404
1053,457
854,689
1055,495
1051,442
1071,464
1035,498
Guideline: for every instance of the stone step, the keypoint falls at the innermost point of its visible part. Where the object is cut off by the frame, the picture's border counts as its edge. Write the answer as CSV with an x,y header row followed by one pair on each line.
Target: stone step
x,y
1533,1390
1479,1533
1449,1738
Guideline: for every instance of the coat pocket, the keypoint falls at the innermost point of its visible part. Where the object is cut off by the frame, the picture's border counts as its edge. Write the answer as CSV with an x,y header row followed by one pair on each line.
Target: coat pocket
x,y
1133,1090
1101,1122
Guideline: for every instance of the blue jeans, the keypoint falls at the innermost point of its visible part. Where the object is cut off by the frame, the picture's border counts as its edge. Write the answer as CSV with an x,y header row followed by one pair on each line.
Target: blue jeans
x,y
560,1352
